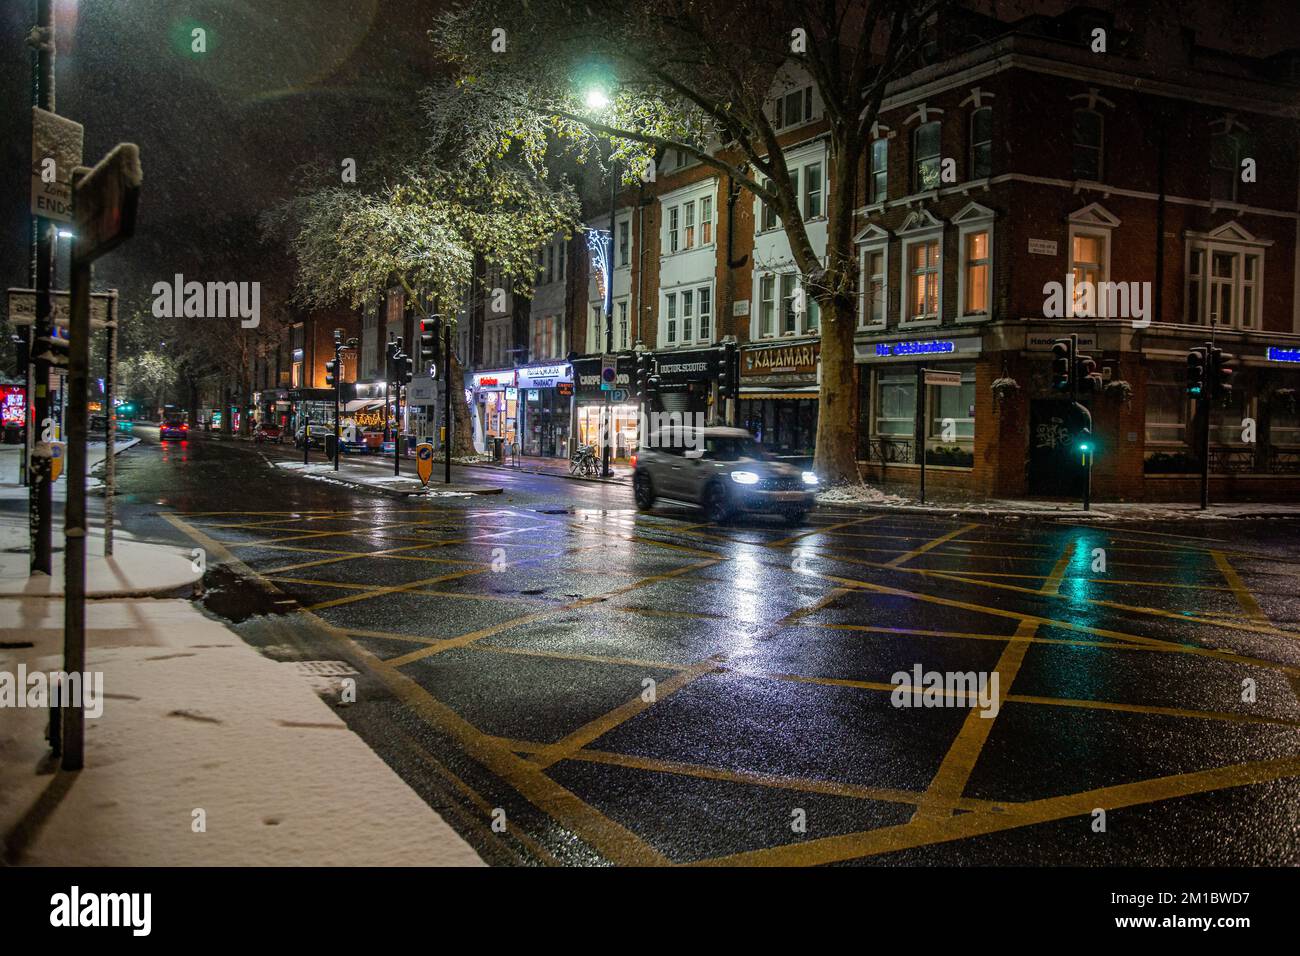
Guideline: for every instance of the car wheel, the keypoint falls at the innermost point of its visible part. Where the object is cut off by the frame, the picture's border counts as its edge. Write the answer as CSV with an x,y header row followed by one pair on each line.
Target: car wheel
x,y
717,506
643,489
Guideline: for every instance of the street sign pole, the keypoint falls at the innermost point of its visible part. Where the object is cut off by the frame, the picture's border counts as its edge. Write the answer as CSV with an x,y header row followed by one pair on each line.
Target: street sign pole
x,y
74,512
105,200
397,429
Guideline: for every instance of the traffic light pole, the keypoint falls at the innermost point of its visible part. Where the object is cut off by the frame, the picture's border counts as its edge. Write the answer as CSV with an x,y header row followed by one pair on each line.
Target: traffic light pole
x,y
446,403
338,379
397,429
40,497
1207,394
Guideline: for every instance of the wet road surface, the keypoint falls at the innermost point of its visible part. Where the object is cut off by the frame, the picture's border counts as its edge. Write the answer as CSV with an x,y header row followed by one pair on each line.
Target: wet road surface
x,y
570,682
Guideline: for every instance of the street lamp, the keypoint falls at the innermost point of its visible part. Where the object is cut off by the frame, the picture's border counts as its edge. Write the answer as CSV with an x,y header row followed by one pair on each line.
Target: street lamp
x,y
597,99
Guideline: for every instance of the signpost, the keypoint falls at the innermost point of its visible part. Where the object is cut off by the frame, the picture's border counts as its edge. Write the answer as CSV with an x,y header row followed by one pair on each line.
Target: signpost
x,y
424,462
926,377
105,200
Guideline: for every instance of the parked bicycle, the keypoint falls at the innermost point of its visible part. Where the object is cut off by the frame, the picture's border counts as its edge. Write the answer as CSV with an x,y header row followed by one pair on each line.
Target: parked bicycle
x,y
584,462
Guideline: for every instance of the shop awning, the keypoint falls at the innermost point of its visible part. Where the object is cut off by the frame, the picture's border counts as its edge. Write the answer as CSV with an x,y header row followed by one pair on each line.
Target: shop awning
x,y
755,391
357,404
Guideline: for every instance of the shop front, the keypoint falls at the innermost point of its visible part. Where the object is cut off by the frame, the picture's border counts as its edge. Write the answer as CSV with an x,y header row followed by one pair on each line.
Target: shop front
x,y
545,409
778,396
598,411
495,402
902,416
687,382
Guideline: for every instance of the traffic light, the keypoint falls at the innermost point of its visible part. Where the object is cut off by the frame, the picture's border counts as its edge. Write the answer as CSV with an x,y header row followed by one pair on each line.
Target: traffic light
x,y
1081,419
1062,363
642,375
331,372
1086,375
726,380
405,369
1196,372
429,334
52,349
1220,374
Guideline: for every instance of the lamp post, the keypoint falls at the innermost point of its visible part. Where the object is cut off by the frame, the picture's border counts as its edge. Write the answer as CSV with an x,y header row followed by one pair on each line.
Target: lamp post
x,y
597,99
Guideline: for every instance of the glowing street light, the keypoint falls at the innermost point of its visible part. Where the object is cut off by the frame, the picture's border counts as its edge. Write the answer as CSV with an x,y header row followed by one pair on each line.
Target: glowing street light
x,y
596,98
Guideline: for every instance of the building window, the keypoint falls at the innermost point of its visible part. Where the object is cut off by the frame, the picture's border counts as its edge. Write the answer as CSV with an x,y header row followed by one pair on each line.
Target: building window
x,y
622,324
597,341
923,280
1088,265
559,257
925,157
706,220
977,262
793,108
871,311
812,191
690,312
550,264
672,229
879,170
624,239
1223,284
688,214
948,404
981,143
1225,164
1087,145
1166,408
766,305
895,403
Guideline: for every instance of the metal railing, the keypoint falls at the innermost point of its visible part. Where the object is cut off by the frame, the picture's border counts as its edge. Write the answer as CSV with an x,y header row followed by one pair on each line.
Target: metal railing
x,y
891,451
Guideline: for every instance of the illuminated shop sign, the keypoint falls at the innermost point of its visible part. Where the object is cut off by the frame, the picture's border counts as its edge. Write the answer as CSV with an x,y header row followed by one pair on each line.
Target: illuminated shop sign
x,y
1283,355
544,376
503,379
933,347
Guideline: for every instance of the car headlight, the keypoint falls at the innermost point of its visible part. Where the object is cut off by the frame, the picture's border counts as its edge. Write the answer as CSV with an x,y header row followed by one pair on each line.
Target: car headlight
x,y
809,478
744,477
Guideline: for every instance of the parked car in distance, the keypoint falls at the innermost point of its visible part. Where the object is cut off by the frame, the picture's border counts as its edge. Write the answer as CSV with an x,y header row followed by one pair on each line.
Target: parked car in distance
x,y
723,471
268,431
317,433
173,429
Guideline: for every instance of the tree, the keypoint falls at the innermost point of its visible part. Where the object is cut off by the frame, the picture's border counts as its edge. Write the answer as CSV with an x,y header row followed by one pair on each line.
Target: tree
x,y
423,231
646,76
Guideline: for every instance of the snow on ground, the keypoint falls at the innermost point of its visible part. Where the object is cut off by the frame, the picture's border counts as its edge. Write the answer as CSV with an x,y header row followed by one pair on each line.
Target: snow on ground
x,y
194,720
11,457
860,494
364,476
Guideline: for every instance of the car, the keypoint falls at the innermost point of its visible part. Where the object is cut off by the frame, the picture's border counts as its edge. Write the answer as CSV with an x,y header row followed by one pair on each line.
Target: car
x,y
173,429
722,470
318,431
268,431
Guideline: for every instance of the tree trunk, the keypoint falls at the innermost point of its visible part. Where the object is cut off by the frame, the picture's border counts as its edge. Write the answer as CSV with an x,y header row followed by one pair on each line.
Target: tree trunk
x,y
462,428
836,457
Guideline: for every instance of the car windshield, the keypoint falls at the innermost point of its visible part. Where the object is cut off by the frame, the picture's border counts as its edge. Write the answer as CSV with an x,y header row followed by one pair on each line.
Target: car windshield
x,y
173,423
733,449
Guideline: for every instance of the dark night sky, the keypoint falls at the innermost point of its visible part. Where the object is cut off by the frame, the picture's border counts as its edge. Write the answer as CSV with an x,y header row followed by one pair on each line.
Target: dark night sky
x,y
284,82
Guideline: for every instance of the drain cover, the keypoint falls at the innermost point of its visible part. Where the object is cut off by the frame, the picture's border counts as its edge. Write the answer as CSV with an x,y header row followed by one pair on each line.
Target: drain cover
x,y
323,668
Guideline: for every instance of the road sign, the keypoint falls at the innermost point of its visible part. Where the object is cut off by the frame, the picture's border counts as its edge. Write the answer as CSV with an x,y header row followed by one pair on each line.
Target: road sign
x,y
106,200
608,372
424,462
56,152
22,307
935,377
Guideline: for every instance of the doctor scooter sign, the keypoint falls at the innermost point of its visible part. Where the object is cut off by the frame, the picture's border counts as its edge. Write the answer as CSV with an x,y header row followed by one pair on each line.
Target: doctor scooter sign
x,y
424,462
